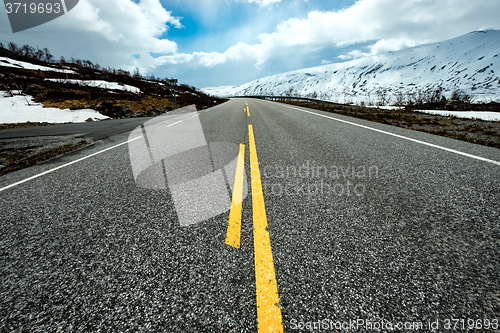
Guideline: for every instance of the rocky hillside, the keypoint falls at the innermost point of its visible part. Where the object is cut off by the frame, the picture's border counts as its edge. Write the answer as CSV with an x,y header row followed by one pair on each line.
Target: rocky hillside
x,y
78,84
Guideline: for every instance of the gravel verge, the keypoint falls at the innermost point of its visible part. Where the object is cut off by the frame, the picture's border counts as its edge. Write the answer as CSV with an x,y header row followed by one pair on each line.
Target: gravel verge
x,y
20,153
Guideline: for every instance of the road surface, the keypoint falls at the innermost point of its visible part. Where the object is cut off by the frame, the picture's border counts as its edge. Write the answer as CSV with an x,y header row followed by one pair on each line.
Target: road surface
x,y
254,216
95,131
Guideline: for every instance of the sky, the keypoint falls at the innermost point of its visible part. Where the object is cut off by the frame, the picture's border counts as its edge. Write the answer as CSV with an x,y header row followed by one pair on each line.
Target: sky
x,y
209,43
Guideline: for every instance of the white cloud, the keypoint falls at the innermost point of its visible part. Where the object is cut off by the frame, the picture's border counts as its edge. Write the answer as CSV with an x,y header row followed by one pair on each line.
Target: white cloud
x,y
125,22
238,51
390,24
353,55
393,23
262,3
124,33
394,44
126,28
107,32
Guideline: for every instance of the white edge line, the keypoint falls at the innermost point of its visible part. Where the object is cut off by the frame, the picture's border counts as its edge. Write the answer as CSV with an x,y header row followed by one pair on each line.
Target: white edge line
x,y
196,115
65,165
402,137
215,107
70,163
180,121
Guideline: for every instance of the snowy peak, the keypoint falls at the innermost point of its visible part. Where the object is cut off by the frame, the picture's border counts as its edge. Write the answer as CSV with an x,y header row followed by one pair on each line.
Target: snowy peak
x,y
470,62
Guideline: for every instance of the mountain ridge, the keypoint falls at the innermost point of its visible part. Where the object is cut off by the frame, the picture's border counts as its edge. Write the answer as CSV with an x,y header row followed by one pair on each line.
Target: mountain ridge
x,y
468,63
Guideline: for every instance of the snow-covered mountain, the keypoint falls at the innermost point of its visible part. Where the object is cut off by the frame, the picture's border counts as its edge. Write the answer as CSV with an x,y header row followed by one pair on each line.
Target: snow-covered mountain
x,y
470,63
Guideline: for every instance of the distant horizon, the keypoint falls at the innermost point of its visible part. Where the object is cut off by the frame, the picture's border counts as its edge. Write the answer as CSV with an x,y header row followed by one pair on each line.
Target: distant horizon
x,y
215,43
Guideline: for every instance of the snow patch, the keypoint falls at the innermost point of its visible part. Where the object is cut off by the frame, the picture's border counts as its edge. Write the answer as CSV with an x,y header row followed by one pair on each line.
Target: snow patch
x,y
484,115
99,84
7,62
21,109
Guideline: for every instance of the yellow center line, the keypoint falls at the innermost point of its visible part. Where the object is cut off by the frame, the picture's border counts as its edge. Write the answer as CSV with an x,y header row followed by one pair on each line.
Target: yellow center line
x,y
234,224
247,109
268,304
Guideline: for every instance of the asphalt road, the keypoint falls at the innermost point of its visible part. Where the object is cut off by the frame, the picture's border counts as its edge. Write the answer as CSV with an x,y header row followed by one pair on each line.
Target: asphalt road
x,y
361,227
95,131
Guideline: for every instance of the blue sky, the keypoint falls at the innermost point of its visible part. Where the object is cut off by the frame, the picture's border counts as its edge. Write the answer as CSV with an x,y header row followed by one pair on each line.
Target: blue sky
x,y
229,42
220,24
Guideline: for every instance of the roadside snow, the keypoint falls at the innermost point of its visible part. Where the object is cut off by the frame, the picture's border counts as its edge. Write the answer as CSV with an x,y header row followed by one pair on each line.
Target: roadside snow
x,y
7,62
484,115
385,107
99,84
16,110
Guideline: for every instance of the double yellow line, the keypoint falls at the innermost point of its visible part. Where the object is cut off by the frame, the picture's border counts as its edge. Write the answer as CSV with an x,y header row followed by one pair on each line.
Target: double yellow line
x,y
268,304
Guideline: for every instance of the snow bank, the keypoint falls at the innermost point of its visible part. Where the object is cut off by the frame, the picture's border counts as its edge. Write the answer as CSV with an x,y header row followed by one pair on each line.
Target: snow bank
x,y
99,84
484,115
16,110
7,62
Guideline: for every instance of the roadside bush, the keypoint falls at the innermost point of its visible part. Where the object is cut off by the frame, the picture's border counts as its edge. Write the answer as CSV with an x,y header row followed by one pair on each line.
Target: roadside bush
x,y
460,96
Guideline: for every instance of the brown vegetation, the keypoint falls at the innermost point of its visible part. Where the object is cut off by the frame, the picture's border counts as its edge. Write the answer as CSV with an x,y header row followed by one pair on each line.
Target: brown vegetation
x,y
16,159
477,131
155,96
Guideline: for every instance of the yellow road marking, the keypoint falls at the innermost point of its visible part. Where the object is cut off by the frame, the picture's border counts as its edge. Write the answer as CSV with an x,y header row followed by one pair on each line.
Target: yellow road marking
x,y
268,304
234,224
247,109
